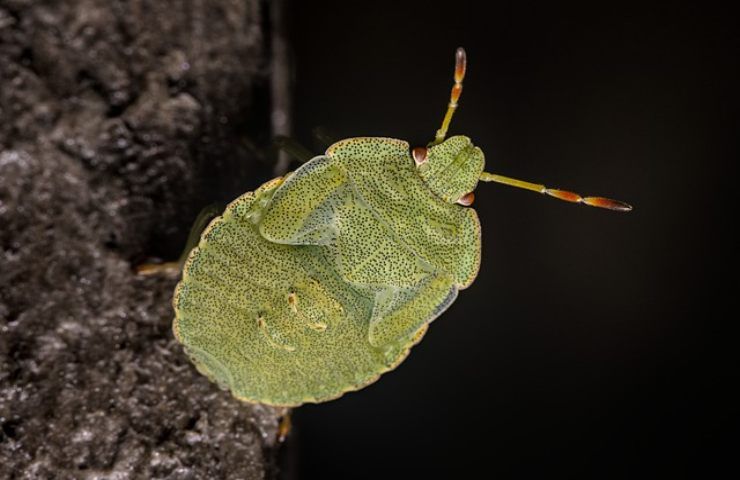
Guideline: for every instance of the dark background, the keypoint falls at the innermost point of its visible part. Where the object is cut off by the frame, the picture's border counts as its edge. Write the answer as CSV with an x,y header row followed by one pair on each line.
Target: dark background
x,y
592,344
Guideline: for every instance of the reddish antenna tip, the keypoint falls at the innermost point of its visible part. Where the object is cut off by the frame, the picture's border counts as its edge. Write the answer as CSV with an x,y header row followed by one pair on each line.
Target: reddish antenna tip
x,y
607,203
461,61
599,202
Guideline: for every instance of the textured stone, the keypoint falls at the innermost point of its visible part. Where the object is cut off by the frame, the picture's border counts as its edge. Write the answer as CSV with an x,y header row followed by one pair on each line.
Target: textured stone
x,y
116,121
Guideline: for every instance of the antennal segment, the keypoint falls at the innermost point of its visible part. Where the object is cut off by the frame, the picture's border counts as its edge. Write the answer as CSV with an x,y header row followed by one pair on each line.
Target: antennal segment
x,y
460,66
564,195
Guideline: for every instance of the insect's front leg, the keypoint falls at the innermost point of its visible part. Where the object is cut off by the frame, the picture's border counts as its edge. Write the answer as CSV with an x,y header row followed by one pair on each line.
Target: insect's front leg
x,y
293,148
173,268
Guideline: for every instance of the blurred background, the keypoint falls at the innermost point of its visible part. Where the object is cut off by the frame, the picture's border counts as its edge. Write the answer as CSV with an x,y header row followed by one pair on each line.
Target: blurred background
x,y
587,347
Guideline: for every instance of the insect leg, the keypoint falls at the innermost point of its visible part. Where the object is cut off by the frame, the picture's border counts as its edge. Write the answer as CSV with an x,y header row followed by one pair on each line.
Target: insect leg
x,y
460,65
174,268
285,425
564,195
293,148
324,136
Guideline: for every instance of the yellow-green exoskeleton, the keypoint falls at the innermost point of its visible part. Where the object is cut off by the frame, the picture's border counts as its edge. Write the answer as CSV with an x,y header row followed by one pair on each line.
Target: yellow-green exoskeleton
x,y
319,281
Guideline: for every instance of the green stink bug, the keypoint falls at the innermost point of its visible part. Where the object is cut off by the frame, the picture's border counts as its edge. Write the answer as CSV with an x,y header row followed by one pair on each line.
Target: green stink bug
x,y
320,281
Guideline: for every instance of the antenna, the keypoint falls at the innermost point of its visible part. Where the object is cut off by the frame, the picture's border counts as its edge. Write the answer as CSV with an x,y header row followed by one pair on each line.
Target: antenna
x,y
564,195
460,65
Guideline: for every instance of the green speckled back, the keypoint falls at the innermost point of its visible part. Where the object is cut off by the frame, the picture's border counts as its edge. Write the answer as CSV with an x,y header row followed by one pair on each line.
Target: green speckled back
x,y
319,282
308,288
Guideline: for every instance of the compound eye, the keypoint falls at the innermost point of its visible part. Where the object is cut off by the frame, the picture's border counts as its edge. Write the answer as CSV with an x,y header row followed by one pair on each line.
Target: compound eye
x,y
467,199
419,154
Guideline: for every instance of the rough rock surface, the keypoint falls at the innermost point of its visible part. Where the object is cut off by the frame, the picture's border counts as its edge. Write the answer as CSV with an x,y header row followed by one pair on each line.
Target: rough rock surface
x,y
114,116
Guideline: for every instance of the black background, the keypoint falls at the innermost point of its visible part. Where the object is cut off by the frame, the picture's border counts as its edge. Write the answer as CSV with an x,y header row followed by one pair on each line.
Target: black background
x,y
592,344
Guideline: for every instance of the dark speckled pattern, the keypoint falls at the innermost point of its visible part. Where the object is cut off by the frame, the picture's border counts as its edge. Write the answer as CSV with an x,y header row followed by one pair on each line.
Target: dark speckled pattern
x,y
316,284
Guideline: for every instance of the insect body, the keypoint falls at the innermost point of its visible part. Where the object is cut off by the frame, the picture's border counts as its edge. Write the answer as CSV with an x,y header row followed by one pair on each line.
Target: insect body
x,y
320,281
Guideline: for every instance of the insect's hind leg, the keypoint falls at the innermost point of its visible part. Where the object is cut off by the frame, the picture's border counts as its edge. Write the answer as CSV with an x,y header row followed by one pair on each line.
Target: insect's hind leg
x,y
174,268
285,424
